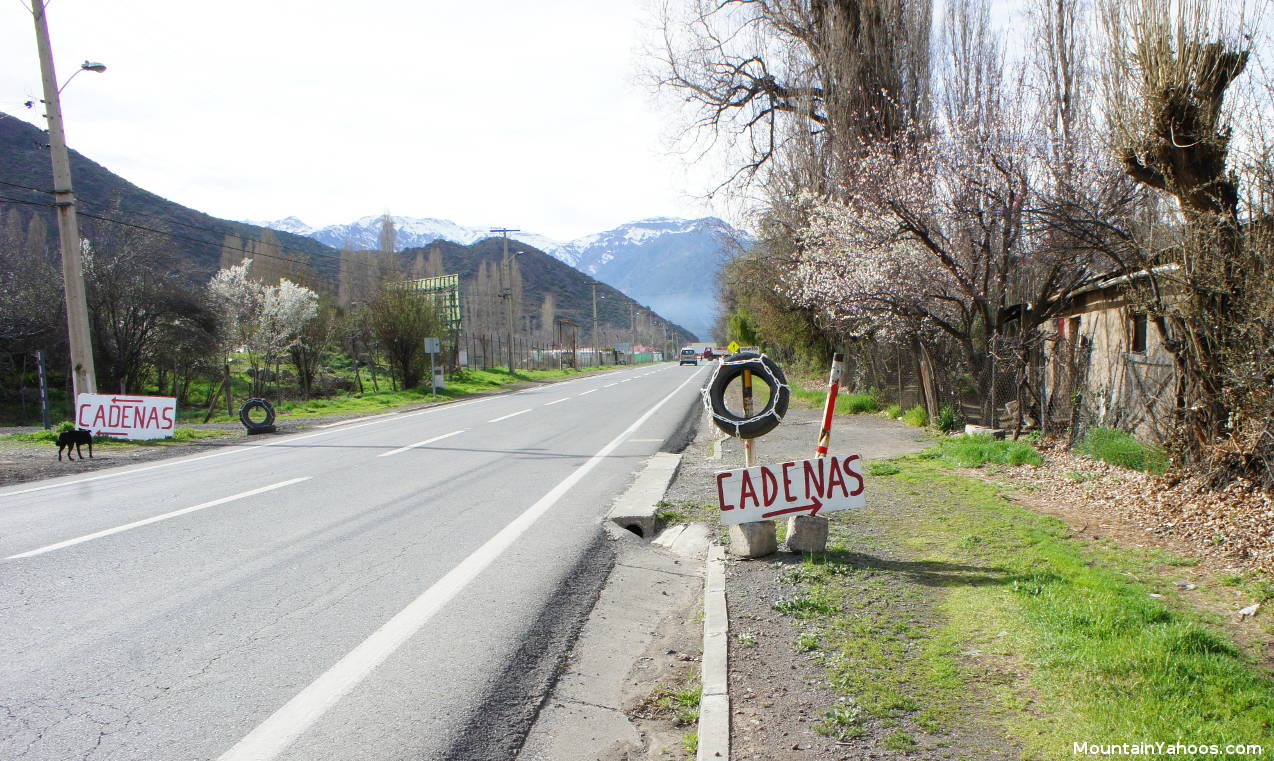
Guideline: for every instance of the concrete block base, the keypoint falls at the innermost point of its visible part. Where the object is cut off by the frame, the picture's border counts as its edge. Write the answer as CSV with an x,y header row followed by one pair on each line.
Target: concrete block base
x,y
807,533
753,540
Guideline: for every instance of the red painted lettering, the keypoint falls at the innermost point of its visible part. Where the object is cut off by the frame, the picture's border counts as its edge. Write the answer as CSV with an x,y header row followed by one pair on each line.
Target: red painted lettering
x,y
125,415
721,477
168,419
99,420
769,486
747,491
850,469
113,416
152,417
835,478
79,417
787,483
813,484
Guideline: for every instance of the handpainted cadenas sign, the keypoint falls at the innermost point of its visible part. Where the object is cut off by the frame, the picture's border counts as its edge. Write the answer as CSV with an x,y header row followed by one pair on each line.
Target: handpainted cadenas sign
x,y
808,487
127,417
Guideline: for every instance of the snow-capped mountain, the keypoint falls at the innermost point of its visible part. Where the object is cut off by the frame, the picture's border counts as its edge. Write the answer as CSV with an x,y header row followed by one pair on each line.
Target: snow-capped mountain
x,y
671,265
410,232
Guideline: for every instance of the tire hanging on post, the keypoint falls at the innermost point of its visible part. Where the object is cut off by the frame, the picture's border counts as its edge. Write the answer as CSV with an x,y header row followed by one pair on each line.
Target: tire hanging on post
x,y
253,426
763,421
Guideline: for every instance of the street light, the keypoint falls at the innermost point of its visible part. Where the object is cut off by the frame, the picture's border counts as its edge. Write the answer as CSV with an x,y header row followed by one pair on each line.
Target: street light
x,y
83,374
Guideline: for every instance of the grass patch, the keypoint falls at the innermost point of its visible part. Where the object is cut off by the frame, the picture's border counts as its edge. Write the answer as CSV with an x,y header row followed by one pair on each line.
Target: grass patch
x,y
893,412
846,404
981,449
1103,660
678,702
180,436
916,416
1122,449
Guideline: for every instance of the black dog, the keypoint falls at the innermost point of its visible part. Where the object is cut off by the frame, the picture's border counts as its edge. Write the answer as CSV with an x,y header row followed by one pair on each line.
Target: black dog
x,y
74,438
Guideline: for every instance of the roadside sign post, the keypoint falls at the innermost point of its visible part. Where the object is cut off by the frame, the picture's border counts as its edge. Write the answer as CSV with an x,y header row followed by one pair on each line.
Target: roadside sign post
x,y
432,347
808,533
762,493
137,418
44,391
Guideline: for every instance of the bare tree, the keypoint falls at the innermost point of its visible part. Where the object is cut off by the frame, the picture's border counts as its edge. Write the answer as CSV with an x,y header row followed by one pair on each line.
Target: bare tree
x,y
1168,69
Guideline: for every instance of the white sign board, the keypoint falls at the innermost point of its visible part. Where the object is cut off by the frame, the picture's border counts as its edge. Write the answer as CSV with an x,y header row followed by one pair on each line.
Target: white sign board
x,y
765,492
433,346
127,417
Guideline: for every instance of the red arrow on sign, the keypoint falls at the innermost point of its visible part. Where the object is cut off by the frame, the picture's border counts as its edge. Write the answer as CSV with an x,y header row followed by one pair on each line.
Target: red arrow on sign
x,y
813,507
117,399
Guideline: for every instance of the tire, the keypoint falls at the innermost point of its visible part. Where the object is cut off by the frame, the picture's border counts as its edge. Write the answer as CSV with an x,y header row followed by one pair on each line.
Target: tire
x,y
253,426
762,421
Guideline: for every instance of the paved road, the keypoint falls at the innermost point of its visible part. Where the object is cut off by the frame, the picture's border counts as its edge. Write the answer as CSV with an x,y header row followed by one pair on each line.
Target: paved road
x,y
396,587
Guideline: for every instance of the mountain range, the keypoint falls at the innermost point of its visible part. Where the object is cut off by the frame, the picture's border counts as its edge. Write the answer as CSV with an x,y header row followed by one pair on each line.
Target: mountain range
x,y
668,264
106,200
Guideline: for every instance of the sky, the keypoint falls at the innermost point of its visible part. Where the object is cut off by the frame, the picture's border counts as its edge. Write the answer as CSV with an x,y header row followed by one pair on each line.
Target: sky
x,y
498,113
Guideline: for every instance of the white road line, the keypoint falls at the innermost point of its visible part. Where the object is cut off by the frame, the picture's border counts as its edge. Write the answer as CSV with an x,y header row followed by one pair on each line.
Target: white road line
x,y
357,420
506,417
287,440
422,443
608,385
586,393
559,401
273,736
157,518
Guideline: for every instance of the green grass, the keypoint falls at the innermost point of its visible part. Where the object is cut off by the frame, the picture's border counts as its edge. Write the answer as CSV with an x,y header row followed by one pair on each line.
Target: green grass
x,y
916,416
1122,449
981,449
893,412
679,702
1056,638
846,404
180,435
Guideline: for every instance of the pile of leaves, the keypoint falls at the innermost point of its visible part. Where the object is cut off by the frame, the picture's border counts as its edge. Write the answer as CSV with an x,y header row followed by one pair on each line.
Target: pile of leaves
x,y
1234,523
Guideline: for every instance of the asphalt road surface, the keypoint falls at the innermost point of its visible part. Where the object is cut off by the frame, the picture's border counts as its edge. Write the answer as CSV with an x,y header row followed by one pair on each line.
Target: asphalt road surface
x,y
399,587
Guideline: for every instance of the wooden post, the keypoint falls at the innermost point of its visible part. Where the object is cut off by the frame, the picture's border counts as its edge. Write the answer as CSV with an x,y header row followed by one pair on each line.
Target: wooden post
x,y
808,533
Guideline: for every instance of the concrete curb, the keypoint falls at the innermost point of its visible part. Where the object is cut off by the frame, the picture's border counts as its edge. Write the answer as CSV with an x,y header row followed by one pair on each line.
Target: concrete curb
x,y
714,703
635,509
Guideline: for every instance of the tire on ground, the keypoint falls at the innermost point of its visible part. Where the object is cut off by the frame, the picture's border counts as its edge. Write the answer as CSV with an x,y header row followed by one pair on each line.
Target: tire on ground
x,y
254,426
762,421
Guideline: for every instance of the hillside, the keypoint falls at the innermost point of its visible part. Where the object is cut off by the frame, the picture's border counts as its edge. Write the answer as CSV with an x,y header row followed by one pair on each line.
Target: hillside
x,y
542,273
108,199
668,264
24,165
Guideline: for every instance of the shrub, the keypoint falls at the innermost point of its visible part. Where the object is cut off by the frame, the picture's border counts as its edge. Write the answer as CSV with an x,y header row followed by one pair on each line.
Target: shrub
x,y
949,419
893,411
1122,449
976,451
852,404
916,416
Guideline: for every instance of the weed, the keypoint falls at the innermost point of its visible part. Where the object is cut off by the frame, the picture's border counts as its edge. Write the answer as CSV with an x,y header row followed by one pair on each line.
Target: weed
x,y
1122,449
803,606
746,639
883,469
949,419
893,412
690,744
978,450
842,722
670,517
916,416
899,740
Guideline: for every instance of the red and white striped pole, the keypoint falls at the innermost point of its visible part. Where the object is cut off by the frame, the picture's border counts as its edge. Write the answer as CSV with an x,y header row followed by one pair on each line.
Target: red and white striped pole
x,y
825,435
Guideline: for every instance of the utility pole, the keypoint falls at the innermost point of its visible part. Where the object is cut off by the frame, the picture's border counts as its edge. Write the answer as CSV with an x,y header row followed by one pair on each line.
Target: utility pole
x,y
507,293
597,358
85,378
